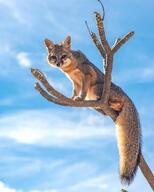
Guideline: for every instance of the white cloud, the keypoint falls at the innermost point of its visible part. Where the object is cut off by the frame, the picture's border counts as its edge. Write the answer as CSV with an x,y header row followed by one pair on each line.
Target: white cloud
x,y
53,128
4,188
23,59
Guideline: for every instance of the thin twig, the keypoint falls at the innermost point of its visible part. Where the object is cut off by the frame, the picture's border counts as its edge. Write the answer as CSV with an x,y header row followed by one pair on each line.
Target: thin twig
x,y
102,9
89,31
95,40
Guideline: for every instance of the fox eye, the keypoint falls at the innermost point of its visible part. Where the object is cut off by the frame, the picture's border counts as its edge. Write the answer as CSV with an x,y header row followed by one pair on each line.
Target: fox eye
x,y
53,57
63,56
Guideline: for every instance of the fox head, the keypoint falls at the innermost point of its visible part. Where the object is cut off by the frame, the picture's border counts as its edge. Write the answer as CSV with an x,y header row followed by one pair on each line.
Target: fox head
x,y
59,55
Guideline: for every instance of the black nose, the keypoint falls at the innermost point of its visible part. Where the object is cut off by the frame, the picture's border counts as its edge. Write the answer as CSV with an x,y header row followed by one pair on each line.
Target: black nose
x,y
58,64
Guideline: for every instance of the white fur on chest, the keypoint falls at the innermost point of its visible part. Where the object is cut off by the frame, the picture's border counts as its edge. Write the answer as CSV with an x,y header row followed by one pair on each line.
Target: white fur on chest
x,y
76,76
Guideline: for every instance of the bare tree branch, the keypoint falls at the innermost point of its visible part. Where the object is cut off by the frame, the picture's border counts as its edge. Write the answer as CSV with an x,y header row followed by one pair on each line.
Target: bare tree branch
x,y
96,41
107,78
100,26
41,77
108,59
60,99
109,53
146,171
49,97
120,42
116,41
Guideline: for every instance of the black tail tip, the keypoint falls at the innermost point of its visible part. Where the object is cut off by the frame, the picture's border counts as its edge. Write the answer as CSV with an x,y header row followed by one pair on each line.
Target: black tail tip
x,y
126,179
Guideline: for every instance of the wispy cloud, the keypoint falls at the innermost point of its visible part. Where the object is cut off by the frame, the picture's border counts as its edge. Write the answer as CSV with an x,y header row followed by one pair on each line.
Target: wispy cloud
x,y
142,71
6,101
15,11
97,183
53,128
107,182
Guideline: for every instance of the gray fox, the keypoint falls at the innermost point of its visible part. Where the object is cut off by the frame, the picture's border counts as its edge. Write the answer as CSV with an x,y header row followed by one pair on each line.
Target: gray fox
x,y
88,83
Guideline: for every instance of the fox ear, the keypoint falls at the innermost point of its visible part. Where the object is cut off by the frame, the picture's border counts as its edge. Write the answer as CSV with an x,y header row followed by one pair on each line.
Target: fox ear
x,y
49,44
67,42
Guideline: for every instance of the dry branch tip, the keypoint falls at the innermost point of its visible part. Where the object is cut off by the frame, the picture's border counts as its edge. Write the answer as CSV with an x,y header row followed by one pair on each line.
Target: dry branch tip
x,y
132,33
88,28
102,9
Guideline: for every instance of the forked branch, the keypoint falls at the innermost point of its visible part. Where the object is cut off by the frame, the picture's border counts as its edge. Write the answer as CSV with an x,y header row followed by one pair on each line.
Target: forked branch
x,y
107,53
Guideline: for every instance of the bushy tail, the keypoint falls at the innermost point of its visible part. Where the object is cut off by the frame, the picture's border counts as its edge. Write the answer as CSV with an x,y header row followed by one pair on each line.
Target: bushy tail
x,y
129,139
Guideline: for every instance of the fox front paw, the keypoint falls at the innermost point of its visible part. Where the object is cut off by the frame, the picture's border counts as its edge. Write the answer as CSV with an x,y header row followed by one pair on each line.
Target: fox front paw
x,y
73,97
78,98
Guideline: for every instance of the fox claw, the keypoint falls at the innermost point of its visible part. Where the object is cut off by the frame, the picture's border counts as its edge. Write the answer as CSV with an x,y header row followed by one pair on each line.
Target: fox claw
x,y
78,98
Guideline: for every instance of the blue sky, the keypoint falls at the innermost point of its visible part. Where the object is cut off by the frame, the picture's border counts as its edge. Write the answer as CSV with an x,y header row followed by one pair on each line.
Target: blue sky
x,y
48,148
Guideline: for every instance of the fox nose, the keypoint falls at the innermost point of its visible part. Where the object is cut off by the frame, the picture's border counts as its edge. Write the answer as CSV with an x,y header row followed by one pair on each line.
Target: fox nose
x,y
58,64
58,61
